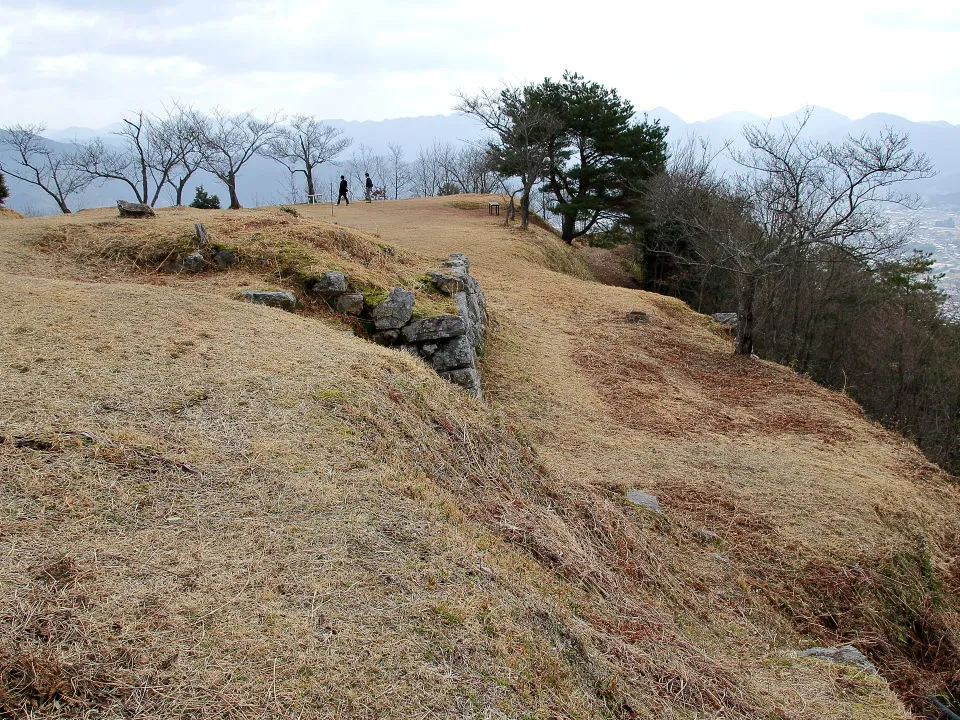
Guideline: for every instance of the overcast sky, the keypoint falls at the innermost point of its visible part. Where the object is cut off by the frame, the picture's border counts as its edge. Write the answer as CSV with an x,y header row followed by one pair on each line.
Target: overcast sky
x,y
82,62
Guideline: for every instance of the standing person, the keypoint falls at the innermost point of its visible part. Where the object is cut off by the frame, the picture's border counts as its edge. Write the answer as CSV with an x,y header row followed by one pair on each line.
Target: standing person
x,y
343,191
369,188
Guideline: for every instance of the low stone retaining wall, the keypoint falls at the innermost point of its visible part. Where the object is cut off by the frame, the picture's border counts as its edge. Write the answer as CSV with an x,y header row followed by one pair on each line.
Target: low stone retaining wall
x,y
449,343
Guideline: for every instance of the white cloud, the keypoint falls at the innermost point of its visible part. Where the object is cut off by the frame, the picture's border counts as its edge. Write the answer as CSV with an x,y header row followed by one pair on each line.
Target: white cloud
x,y
87,61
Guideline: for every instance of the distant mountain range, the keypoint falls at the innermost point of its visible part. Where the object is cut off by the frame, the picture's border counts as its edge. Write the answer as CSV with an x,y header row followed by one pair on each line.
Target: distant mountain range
x,y
939,140
263,182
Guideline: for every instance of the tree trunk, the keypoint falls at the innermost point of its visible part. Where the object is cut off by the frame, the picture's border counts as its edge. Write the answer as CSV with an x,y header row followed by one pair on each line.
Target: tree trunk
x,y
568,228
525,209
310,187
231,182
746,296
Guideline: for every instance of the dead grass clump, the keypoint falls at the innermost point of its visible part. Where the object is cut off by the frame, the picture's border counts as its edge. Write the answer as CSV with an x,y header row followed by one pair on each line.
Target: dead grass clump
x,y
113,243
538,222
9,214
36,679
50,664
468,204
654,381
898,607
554,254
609,265
642,668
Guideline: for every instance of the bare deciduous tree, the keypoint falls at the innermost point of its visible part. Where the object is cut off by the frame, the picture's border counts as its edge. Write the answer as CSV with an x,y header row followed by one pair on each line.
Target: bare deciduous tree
x,y
398,170
522,130
181,134
37,163
792,196
427,173
229,142
143,162
305,145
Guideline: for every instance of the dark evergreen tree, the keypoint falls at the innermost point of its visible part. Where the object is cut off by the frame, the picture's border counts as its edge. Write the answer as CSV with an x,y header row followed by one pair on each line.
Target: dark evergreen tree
x,y
204,201
599,157
4,193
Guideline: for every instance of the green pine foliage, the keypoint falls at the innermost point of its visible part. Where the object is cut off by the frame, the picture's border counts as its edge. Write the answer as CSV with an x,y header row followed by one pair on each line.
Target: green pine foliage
x,y
599,157
204,201
4,192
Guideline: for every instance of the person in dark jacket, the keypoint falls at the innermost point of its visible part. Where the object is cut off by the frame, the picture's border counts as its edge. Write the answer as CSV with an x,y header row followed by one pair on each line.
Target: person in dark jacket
x,y
343,191
369,188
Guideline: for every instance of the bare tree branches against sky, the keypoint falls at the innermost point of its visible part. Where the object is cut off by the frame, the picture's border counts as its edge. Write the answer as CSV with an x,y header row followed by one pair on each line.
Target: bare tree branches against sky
x,y
84,62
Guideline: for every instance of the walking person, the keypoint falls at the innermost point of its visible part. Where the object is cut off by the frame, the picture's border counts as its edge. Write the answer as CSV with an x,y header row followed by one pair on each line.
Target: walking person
x,y
368,188
343,191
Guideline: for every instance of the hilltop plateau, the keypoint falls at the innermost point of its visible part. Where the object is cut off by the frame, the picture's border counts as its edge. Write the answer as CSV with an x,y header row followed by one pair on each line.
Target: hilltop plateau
x,y
213,509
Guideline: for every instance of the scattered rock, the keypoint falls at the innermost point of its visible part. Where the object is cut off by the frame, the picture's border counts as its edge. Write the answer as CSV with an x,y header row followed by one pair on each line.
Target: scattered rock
x,y
727,318
332,282
844,655
436,327
394,312
224,258
638,316
639,497
350,303
448,284
194,262
278,299
129,209
707,535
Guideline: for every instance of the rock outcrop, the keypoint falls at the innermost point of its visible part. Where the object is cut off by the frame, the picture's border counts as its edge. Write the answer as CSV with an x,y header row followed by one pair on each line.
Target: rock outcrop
x,y
644,499
129,209
729,319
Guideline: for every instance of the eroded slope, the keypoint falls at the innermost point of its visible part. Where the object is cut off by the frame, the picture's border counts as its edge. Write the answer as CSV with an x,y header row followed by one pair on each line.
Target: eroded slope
x,y
227,510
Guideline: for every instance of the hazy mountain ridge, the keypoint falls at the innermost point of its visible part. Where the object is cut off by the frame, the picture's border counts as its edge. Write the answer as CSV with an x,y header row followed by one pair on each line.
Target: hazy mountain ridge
x,y
264,182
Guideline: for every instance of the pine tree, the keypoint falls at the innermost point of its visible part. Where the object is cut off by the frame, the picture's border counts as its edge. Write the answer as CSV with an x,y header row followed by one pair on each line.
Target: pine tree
x,y
204,201
4,193
599,158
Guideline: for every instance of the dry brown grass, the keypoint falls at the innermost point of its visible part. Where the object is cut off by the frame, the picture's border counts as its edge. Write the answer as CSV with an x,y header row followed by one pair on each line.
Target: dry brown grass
x,y
217,510
8,214
609,265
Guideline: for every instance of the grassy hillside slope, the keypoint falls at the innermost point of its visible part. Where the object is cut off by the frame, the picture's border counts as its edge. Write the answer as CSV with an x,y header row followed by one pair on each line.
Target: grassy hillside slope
x,y
212,509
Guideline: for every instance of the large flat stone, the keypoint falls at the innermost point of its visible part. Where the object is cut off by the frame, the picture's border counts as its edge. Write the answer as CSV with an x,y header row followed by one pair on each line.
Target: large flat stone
x,y
644,499
448,284
277,299
350,303
132,209
436,327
